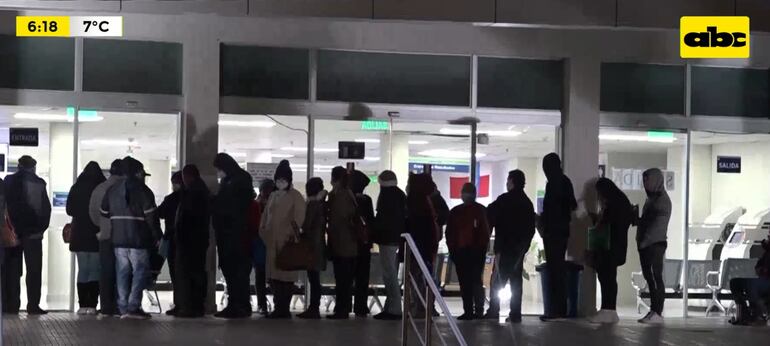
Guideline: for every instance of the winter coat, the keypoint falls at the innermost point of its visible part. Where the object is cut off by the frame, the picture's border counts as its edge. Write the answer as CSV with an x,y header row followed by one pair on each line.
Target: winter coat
x,y
193,216
167,211
559,201
467,228
617,217
230,209
390,222
656,213
29,207
365,210
95,207
343,242
83,238
513,217
314,228
130,206
283,208
421,218
440,208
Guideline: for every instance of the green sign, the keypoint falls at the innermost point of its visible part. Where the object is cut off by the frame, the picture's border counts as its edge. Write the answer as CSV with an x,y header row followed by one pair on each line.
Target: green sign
x,y
83,113
660,134
374,125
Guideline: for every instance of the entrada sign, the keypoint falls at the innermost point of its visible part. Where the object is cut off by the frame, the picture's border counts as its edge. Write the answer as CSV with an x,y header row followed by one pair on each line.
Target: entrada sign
x,y
714,37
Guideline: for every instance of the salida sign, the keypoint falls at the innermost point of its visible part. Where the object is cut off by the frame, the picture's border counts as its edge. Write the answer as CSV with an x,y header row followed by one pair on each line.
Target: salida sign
x,y
728,164
714,37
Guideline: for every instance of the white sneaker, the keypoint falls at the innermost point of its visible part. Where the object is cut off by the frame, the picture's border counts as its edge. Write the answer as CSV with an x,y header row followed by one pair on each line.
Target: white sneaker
x,y
605,317
645,318
82,311
655,319
92,311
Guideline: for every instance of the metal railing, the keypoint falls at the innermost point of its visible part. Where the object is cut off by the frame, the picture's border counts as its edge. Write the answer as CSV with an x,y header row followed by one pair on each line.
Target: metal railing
x,y
426,299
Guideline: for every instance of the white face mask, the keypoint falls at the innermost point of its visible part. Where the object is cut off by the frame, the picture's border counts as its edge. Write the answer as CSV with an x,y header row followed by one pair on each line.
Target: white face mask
x,y
509,185
221,174
282,184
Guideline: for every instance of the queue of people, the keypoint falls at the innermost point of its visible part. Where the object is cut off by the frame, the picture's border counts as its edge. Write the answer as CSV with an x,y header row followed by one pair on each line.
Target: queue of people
x,y
116,237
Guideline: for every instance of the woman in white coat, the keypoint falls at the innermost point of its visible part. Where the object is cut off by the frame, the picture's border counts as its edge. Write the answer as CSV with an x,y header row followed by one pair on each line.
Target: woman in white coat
x,y
280,224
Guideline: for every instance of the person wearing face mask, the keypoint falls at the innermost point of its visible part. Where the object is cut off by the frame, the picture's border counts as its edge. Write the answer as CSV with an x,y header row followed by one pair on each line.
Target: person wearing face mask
x,y
167,211
230,214
343,244
29,211
512,216
284,214
467,237
558,204
651,239
314,229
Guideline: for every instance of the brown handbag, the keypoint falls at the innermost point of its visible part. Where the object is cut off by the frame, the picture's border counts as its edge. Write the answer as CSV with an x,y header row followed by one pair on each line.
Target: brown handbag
x,y
296,254
8,236
66,233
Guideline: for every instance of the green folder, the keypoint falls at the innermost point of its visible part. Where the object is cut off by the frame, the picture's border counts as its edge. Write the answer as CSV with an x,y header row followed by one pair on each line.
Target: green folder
x,y
599,238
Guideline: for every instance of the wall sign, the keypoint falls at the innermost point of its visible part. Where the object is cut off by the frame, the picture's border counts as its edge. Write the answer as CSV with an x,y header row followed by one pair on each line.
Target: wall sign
x,y
728,164
630,179
419,167
352,150
260,171
23,136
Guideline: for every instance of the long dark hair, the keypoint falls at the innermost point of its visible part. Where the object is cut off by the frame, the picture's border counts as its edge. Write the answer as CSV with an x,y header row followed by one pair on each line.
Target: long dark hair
x,y
614,198
420,187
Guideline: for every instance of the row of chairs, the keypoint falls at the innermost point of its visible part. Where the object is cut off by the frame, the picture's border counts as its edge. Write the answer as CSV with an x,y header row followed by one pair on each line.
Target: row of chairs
x,y
706,279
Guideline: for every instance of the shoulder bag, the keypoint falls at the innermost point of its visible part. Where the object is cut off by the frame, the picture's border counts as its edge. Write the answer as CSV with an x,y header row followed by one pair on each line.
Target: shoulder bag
x,y
297,253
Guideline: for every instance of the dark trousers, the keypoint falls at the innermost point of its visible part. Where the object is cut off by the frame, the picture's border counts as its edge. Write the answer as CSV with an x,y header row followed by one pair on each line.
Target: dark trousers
x,y
108,295
190,280
344,269
314,279
260,285
555,250
236,267
751,296
88,294
607,272
361,279
31,250
509,267
282,293
651,258
469,264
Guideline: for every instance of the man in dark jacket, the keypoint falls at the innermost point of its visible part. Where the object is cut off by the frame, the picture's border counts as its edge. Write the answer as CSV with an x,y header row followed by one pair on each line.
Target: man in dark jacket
x,y
130,205
29,210
513,218
230,212
358,182
558,205
389,225
168,211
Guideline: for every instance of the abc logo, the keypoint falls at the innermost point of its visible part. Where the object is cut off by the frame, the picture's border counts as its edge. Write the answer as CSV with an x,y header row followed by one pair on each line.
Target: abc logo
x,y
713,38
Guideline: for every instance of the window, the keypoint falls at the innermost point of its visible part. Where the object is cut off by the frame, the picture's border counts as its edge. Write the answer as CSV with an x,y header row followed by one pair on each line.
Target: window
x,y
731,92
264,72
37,63
132,66
519,83
640,88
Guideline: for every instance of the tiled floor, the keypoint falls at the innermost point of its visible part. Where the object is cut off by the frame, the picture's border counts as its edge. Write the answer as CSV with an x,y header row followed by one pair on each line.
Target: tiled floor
x,y
70,329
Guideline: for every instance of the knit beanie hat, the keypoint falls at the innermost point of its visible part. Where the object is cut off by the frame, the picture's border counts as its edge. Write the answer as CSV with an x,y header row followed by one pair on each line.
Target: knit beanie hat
x,y
283,171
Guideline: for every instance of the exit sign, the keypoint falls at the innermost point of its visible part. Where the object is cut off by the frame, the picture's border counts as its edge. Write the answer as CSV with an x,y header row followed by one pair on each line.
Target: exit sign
x,y
374,125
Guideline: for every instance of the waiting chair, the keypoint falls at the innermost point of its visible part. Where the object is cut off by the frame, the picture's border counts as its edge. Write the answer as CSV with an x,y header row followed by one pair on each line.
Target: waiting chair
x,y
718,281
672,278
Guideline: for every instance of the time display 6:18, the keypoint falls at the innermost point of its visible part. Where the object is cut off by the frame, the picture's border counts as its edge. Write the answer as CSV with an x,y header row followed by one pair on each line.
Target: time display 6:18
x,y
44,26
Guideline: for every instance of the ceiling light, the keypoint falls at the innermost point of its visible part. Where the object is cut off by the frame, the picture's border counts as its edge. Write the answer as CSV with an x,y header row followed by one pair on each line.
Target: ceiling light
x,y
251,123
281,156
418,142
56,117
467,132
110,142
316,167
371,159
367,140
237,154
304,149
636,138
449,154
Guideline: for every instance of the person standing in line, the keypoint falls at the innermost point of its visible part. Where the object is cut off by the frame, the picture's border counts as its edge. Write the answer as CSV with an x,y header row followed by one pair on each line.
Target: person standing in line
x,y
191,238
616,217
29,211
467,237
365,210
651,239
314,230
558,205
108,300
83,240
513,217
266,188
285,213
342,240
389,224
230,212
423,227
130,205
168,212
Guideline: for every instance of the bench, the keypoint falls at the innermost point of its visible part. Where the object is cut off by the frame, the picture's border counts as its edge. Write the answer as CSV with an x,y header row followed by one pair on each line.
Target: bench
x,y
719,281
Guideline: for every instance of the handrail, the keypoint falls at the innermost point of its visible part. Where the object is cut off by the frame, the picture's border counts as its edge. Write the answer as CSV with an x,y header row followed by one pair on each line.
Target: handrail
x,y
431,294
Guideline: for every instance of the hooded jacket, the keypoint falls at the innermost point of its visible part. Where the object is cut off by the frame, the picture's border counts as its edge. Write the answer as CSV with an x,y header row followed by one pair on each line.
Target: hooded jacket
x,y
559,201
364,205
84,230
390,222
656,213
512,215
193,218
231,204
421,217
29,207
130,206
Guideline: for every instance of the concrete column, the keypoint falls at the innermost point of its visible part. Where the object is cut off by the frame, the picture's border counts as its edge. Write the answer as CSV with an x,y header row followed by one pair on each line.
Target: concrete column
x,y
580,155
57,254
394,155
201,113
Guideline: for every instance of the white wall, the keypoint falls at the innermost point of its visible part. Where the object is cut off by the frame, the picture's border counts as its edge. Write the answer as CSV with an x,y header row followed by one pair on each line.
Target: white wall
x,y
750,188
701,169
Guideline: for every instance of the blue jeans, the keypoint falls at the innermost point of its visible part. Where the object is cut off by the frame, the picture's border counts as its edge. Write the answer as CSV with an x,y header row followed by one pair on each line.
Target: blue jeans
x,y
389,263
132,267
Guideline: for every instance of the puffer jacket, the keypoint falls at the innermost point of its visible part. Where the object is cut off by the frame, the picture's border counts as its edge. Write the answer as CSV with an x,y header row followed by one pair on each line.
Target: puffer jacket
x,y
29,207
130,206
656,213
